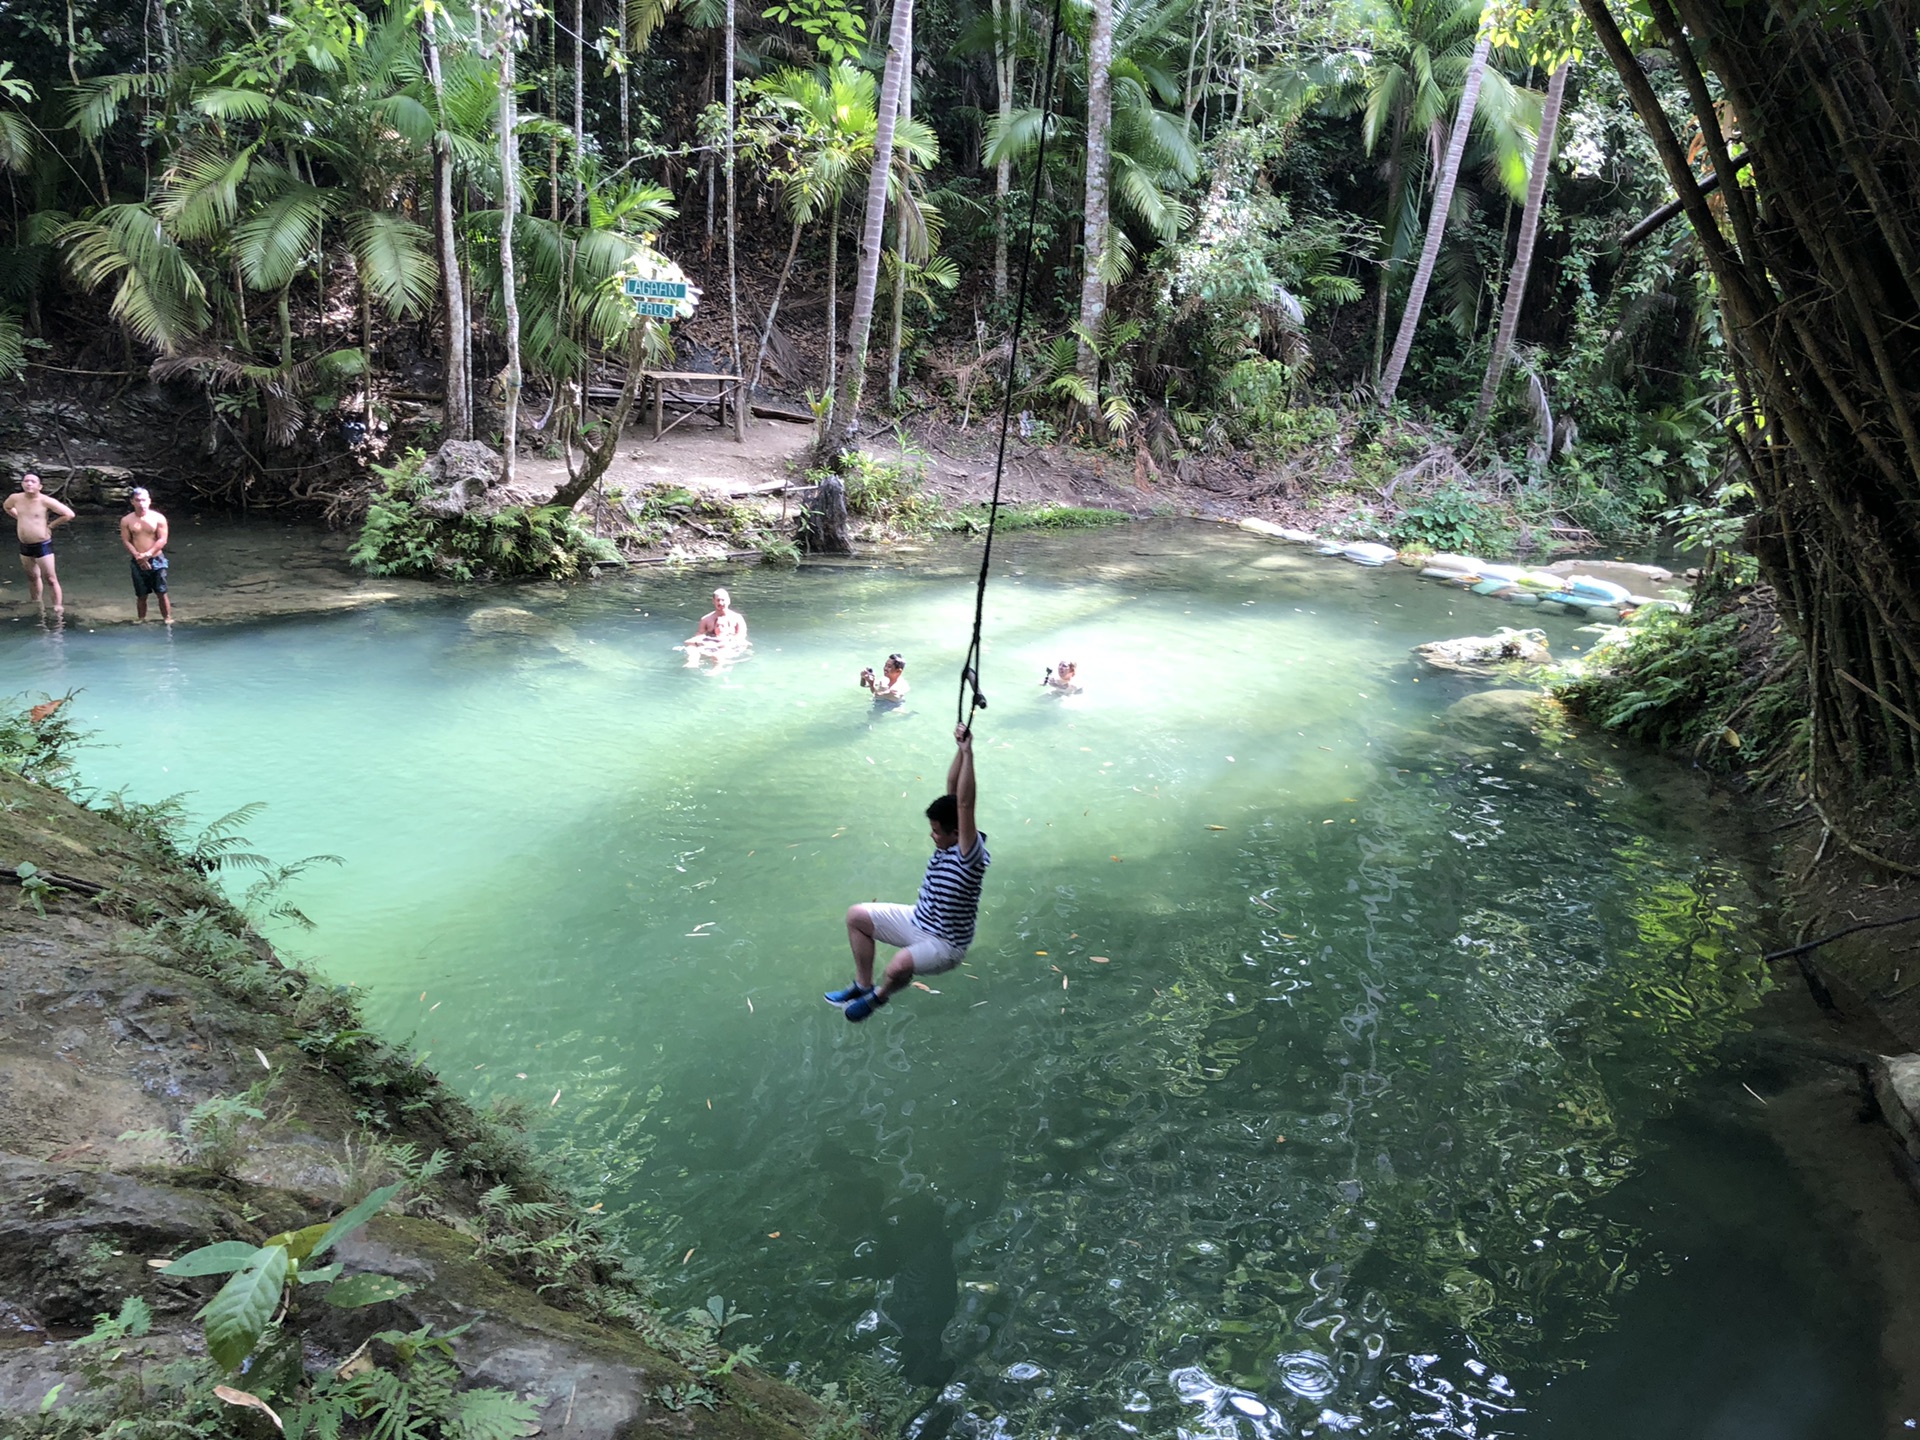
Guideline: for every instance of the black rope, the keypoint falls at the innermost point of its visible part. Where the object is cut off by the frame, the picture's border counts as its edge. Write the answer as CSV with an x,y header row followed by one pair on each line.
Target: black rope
x,y
970,671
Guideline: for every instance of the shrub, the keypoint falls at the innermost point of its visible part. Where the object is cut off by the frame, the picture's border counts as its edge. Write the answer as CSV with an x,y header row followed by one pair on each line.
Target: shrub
x,y
1452,518
888,491
398,538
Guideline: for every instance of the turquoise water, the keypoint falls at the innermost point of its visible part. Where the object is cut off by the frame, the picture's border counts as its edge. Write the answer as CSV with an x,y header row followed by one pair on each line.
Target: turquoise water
x,y
1332,1059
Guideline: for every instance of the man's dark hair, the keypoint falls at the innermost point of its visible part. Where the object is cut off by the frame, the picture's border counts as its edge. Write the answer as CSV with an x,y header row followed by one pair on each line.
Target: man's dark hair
x,y
895,660
945,812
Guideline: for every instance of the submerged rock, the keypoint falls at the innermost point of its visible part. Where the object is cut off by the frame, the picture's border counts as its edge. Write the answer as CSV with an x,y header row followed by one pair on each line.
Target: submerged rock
x,y
508,620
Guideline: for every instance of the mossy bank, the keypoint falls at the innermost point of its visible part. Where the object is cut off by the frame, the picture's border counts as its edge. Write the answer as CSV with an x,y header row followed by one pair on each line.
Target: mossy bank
x,y
166,1083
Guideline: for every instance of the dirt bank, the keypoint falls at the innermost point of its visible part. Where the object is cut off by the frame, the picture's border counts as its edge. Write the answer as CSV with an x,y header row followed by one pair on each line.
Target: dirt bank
x,y
132,1012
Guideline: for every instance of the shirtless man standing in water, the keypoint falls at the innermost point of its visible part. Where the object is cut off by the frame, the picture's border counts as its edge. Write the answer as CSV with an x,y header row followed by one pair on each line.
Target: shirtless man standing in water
x,y
144,533
721,635
35,515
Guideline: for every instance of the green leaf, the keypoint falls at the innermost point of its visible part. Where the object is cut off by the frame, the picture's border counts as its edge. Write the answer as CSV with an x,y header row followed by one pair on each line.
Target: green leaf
x,y
488,1415
299,1243
238,1315
221,1259
356,1217
320,1276
357,1290
26,870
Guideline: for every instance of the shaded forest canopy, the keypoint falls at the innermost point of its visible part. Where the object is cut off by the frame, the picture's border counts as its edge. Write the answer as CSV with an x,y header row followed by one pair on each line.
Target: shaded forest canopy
x,y
1286,231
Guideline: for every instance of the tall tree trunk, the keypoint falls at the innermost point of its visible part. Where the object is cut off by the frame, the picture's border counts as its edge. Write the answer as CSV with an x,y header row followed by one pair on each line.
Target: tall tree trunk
x,y
833,301
1003,79
626,87
579,107
1437,218
766,331
509,202
1093,285
845,415
1523,251
458,408
733,267
597,456
900,250
1396,199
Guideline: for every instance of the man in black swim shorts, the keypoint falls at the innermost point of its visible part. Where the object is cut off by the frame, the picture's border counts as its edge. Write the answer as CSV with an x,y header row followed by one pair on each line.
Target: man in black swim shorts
x,y
34,516
144,533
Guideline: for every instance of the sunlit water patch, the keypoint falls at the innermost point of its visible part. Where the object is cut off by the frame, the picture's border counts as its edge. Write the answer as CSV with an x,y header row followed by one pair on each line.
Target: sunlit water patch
x,y
1338,1054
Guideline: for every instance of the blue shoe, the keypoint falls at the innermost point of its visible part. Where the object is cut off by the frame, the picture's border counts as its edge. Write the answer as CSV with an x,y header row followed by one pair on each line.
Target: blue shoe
x,y
852,992
865,1006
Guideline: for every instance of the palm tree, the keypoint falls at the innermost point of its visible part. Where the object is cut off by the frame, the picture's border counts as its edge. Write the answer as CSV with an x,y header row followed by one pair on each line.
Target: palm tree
x,y
1523,252
508,41
814,137
1093,284
1150,146
867,285
1420,51
1437,217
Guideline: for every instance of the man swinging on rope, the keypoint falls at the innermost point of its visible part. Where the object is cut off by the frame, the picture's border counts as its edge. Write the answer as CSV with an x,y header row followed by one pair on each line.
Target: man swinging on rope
x,y
934,933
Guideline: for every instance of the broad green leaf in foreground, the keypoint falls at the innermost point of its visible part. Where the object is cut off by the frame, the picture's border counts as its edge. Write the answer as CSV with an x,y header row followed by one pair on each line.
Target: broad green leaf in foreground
x,y
238,1315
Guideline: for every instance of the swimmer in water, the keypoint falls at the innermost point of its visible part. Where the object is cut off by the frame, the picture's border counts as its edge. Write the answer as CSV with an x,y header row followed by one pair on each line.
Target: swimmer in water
x,y
891,687
721,634
1059,678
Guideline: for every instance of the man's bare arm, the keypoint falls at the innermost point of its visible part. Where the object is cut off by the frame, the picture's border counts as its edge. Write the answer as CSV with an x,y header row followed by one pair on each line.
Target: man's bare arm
x,y
127,540
61,513
960,784
159,535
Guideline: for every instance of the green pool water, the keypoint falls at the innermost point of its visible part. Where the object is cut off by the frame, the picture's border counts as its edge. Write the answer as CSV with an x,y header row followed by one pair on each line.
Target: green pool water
x,y
1399,1101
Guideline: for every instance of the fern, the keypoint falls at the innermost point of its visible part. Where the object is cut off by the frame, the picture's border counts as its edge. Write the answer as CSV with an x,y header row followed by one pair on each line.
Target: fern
x,y
487,1415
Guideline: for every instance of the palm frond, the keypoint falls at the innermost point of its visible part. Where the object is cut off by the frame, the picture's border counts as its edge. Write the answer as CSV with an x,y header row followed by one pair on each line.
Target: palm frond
x,y
395,259
406,117
275,242
643,18
200,191
94,103
157,293
16,141
13,345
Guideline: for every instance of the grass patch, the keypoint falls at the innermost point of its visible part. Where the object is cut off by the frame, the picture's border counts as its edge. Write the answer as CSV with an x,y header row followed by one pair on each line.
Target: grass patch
x,y
1045,516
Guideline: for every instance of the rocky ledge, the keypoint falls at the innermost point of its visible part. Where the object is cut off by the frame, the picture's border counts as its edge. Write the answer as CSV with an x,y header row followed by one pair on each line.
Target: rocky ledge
x,y
167,1083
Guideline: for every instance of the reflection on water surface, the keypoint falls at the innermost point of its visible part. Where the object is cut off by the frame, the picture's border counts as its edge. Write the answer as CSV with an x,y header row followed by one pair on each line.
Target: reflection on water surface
x,y
1337,1056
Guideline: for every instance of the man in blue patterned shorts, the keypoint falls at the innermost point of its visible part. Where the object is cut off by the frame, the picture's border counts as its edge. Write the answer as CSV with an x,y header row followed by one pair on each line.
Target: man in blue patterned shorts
x,y
932,934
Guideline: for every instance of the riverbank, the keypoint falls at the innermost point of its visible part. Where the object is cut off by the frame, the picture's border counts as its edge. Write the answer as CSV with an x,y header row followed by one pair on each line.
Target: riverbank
x,y
166,1082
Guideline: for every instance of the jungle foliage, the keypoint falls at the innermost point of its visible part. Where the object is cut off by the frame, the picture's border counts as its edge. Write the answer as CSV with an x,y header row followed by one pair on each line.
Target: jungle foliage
x,y
399,537
1237,198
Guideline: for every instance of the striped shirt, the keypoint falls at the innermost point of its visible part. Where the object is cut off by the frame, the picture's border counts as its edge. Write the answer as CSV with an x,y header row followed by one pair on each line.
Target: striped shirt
x,y
950,894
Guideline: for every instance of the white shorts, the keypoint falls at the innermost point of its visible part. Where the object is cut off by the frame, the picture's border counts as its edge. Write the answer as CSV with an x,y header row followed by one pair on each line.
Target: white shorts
x,y
893,924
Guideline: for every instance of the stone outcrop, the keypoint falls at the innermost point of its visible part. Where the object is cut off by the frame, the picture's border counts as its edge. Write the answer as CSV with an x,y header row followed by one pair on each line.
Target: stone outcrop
x,y
112,1031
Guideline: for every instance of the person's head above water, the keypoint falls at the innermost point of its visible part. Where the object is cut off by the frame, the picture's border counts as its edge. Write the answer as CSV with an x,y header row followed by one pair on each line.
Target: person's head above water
x,y
139,499
943,819
1066,667
30,483
721,600
895,665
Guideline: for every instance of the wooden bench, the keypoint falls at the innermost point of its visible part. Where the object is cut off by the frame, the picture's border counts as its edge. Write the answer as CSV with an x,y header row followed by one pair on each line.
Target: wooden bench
x,y
723,395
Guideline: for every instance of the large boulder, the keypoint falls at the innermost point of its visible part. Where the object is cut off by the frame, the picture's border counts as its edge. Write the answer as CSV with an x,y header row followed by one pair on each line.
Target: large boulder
x,y
459,475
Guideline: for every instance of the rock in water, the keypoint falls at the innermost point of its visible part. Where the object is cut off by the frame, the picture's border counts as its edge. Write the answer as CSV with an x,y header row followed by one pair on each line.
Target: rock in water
x,y
1477,653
